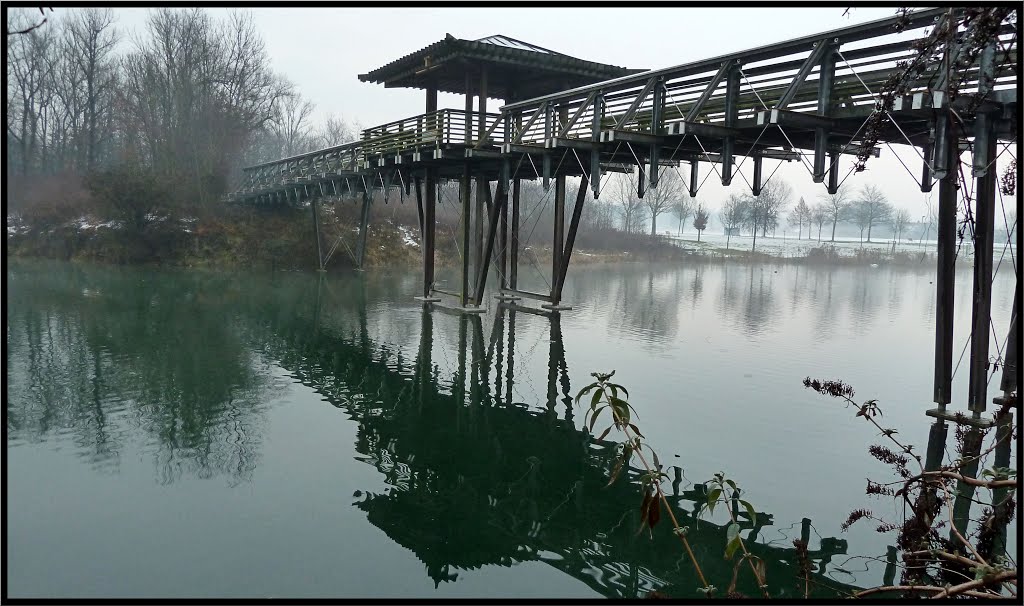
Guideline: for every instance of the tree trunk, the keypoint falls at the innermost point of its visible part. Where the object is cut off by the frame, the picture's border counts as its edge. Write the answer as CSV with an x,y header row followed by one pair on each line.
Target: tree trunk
x,y
698,234
654,224
869,232
754,245
834,221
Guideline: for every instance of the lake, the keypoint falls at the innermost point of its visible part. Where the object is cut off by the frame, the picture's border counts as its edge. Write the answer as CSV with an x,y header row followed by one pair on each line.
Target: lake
x,y
194,434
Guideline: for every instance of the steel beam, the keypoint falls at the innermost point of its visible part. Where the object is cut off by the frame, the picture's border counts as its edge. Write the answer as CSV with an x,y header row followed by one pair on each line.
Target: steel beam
x,y
826,76
693,178
595,153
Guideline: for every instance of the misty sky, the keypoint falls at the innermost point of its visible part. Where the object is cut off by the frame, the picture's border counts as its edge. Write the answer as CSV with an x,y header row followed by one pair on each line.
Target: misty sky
x,y
322,50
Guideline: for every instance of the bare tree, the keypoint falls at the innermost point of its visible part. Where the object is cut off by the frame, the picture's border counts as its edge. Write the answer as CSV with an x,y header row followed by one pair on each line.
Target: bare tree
x,y
334,131
631,207
700,220
900,219
870,209
763,211
801,214
838,206
663,197
89,43
682,208
820,213
732,215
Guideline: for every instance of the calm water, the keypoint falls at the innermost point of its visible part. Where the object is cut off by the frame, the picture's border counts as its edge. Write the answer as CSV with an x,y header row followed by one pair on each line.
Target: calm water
x,y
178,434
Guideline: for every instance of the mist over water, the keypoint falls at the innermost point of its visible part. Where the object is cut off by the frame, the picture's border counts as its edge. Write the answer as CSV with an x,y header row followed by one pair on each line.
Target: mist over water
x,y
203,434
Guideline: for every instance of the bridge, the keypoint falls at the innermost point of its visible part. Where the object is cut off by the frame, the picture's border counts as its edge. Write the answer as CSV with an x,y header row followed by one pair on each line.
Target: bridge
x,y
811,100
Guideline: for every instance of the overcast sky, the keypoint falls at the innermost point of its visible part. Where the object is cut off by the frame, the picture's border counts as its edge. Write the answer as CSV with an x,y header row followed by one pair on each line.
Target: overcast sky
x,y
322,51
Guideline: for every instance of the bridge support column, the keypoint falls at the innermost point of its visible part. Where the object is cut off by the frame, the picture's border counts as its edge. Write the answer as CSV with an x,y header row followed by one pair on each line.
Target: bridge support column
x,y
316,234
513,257
485,261
985,150
566,255
429,231
946,156
464,196
364,225
558,239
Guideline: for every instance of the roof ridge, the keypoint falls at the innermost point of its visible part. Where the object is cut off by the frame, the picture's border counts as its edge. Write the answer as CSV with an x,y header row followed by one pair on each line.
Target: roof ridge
x,y
533,46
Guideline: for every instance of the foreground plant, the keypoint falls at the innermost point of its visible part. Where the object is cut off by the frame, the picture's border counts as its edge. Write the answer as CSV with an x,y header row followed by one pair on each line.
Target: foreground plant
x,y
606,397
935,566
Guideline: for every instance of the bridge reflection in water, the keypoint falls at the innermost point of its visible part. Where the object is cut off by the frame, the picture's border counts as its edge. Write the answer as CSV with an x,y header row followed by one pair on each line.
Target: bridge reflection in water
x,y
476,479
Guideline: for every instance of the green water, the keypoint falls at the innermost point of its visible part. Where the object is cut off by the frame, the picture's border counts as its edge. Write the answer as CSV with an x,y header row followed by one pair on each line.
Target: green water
x,y
180,434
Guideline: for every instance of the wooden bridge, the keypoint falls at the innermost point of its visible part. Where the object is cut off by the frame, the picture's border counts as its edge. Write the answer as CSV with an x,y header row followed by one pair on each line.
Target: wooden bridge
x,y
808,100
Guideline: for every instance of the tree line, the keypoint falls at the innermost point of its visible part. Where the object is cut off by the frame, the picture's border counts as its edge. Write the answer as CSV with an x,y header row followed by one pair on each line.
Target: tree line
x,y
181,105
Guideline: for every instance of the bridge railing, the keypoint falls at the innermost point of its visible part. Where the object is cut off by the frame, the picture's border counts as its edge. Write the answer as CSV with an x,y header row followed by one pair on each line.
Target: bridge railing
x,y
431,130
724,91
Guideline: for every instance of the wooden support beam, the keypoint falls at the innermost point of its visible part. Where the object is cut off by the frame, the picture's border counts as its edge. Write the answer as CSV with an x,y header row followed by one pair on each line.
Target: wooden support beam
x,y
945,276
985,150
316,234
574,223
558,236
513,261
419,206
826,77
725,70
466,216
429,230
820,49
481,280
364,225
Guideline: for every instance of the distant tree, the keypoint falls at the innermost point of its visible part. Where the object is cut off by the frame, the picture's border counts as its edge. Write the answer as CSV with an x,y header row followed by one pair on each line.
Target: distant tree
x,y
837,205
631,208
663,197
900,219
801,214
820,213
732,215
872,208
700,220
763,211
682,208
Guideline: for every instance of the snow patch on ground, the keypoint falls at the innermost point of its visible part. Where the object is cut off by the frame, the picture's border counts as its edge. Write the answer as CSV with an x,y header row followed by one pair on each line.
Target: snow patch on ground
x,y
407,236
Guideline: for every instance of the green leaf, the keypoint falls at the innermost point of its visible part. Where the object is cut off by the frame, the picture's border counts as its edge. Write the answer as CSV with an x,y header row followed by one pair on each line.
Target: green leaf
x,y
597,398
713,499
657,463
731,484
750,511
732,538
617,386
604,433
731,547
585,391
636,430
593,418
